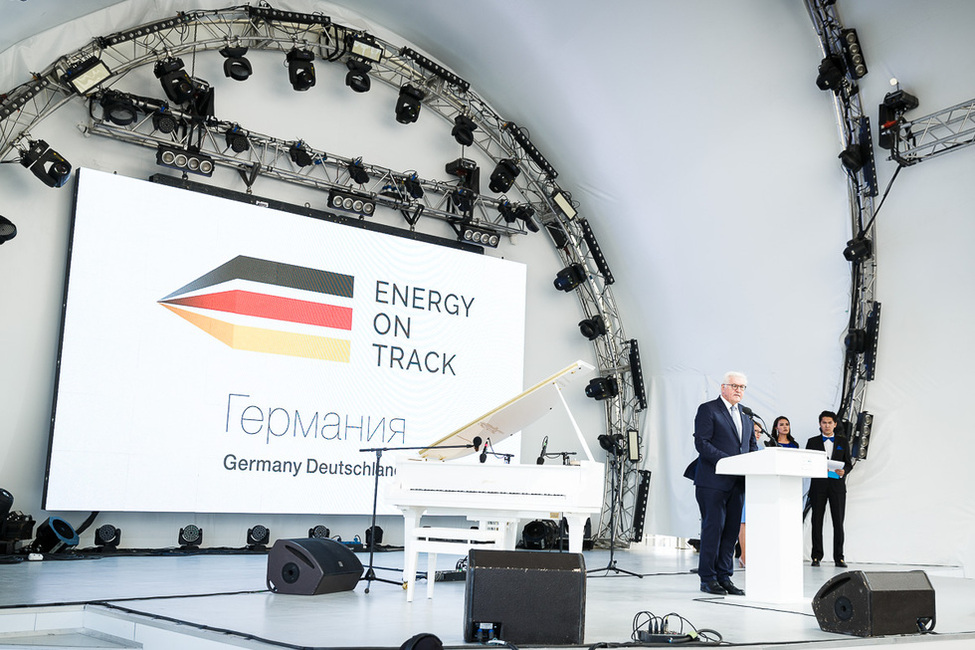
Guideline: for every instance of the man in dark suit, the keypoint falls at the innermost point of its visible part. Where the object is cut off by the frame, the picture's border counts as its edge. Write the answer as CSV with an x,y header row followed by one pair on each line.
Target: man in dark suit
x,y
830,490
721,429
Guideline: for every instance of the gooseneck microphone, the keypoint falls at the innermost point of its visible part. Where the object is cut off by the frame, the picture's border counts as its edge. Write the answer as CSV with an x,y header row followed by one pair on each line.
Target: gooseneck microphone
x,y
477,443
484,451
761,425
541,454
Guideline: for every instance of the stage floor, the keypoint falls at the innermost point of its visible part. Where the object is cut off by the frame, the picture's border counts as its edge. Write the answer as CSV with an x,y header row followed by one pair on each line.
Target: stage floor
x,y
221,601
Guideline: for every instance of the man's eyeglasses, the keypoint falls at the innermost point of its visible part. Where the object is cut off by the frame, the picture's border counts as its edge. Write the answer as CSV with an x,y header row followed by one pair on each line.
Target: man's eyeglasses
x,y
737,386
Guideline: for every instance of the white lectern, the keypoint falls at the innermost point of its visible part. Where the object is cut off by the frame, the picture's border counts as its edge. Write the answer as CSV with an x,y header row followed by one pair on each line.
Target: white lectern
x,y
773,510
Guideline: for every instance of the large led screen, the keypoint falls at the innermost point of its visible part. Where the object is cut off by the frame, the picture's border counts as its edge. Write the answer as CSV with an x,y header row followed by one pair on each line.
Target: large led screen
x,y
219,356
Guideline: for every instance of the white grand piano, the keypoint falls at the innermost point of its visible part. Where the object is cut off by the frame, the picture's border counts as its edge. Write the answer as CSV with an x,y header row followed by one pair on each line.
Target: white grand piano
x,y
496,493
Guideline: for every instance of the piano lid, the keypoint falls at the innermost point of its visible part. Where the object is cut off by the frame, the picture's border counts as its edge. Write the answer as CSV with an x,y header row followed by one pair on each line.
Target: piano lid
x,y
511,417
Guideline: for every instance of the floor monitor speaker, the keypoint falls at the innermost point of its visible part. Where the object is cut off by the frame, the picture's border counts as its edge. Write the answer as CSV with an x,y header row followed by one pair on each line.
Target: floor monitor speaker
x,y
525,597
876,603
311,566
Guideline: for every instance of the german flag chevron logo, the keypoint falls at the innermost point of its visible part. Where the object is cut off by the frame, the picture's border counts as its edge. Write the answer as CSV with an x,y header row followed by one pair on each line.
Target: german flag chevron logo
x,y
271,307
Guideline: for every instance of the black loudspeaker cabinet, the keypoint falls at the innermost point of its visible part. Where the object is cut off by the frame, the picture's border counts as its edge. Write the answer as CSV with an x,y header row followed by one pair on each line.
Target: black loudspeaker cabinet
x,y
311,566
876,603
525,597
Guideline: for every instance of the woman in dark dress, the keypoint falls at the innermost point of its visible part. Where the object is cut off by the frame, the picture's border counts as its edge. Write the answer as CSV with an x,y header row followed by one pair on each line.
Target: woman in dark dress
x,y
782,430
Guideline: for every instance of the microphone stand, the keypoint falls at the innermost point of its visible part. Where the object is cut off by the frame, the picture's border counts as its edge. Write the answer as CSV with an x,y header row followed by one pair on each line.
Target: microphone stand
x,y
370,574
614,460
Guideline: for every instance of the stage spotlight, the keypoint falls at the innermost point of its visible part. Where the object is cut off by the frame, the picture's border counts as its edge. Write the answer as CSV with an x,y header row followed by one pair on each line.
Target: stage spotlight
x,y
299,154
319,532
895,104
365,47
435,68
301,70
175,82
858,249
374,535
412,185
525,212
7,232
190,536
861,438
462,199
636,376
357,78
564,204
900,101
54,535
258,537
856,341
873,334
237,139
236,67
633,445
570,277
504,175
408,104
507,210
108,536
46,163
831,72
185,160
164,121
352,202
540,534
118,108
597,253
480,236
592,328
357,172
611,443
602,388
463,130
86,75
853,52
853,157
467,171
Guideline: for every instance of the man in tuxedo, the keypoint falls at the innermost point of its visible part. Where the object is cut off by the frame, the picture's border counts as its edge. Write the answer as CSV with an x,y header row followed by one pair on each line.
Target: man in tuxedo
x,y
721,429
830,490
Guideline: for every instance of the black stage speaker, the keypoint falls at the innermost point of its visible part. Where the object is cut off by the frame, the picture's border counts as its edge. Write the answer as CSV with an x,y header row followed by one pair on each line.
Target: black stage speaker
x,y
525,597
311,566
876,603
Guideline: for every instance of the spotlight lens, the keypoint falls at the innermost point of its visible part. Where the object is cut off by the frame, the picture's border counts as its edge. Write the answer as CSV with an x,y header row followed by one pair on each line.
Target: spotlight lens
x,y
194,164
336,201
206,166
369,208
181,159
168,157
357,205
347,203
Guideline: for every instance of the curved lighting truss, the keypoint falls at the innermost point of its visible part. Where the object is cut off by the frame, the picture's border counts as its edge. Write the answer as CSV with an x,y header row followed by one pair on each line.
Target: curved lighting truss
x,y
105,60
854,128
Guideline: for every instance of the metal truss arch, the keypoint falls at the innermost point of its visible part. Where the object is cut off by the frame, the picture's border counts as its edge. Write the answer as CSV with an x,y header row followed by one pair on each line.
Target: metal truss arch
x,y
261,27
854,129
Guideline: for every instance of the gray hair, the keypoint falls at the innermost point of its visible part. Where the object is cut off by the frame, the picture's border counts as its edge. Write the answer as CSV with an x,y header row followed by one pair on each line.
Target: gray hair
x,y
731,376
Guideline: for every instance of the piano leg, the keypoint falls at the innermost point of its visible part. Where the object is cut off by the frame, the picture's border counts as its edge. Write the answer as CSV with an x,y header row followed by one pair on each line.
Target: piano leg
x,y
411,521
576,525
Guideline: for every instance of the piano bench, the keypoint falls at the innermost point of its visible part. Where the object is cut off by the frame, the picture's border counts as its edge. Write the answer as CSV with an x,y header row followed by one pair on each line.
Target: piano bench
x,y
434,540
